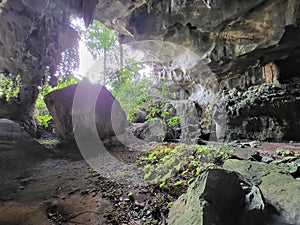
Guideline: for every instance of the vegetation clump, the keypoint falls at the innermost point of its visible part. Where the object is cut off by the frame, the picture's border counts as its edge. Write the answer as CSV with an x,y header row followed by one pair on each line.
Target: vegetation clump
x,y
10,86
49,143
41,112
174,166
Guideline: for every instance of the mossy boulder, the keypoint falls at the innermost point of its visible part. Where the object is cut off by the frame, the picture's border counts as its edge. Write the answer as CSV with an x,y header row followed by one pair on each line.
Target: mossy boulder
x,y
280,189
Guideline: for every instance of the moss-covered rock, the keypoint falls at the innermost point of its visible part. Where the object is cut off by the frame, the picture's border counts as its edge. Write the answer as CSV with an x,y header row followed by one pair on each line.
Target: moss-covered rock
x,y
279,188
219,197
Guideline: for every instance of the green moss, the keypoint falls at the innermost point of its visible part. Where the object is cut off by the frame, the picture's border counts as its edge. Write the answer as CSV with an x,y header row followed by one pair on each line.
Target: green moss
x,y
49,143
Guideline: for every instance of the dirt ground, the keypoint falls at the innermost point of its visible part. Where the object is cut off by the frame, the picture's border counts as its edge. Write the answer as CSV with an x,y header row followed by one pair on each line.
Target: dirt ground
x,y
61,188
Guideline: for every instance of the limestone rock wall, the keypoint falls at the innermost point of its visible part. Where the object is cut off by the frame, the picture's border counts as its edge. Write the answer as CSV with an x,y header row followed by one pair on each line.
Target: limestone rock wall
x,y
264,112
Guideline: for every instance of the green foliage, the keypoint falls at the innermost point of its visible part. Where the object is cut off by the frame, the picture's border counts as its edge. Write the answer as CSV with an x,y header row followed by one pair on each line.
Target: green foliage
x,y
130,90
284,152
173,120
50,144
225,151
170,204
127,85
10,86
41,112
177,165
157,105
97,38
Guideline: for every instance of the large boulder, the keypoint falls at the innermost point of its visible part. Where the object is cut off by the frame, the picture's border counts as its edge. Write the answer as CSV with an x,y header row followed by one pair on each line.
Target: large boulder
x,y
110,119
18,151
11,131
151,131
280,189
219,197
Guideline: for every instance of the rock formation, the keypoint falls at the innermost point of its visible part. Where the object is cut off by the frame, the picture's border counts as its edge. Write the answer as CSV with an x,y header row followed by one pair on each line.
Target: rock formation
x,y
269,112
33,35
243,192
110,119
276,184
17,149
219,197
241,43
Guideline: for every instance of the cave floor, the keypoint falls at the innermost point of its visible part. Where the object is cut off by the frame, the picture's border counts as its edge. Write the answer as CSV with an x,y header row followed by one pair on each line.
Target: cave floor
x,y
61,188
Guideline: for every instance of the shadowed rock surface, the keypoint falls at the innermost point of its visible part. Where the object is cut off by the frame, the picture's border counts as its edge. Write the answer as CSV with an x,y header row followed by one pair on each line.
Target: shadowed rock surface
x,y
268,112
110,119
18,151
277,185
219,197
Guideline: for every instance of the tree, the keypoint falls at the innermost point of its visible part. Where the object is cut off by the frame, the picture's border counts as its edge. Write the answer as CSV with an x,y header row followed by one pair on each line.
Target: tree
x,y
99,39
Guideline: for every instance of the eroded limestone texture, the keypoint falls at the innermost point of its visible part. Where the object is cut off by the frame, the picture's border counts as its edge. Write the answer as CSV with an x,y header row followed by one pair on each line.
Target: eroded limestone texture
x,y
265,112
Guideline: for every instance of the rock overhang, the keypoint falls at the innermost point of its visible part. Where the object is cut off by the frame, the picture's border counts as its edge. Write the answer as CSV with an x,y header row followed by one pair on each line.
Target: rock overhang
x,y
231,35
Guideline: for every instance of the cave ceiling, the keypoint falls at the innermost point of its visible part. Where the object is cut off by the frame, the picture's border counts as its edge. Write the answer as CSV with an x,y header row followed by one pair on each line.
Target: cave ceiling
x,y
230,35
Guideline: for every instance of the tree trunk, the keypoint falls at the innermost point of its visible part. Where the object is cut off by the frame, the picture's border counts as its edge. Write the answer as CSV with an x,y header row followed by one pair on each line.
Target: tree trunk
x,y
104,65
104,58
121,56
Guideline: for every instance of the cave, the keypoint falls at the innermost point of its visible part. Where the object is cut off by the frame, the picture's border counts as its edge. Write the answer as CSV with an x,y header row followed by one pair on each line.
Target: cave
x,y
230,76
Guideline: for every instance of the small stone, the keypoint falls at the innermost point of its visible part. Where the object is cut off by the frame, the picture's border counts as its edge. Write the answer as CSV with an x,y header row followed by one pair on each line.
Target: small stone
x,y
255,200
255,156
267,159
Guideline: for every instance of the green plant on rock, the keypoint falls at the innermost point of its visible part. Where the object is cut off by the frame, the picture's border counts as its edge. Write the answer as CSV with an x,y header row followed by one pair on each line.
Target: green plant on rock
x,y
10,86
50,144
175,120
170,204
284,152
225,152
153,110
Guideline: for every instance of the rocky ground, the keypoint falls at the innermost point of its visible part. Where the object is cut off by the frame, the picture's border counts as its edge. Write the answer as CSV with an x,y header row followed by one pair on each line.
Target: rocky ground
x,y
61,188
